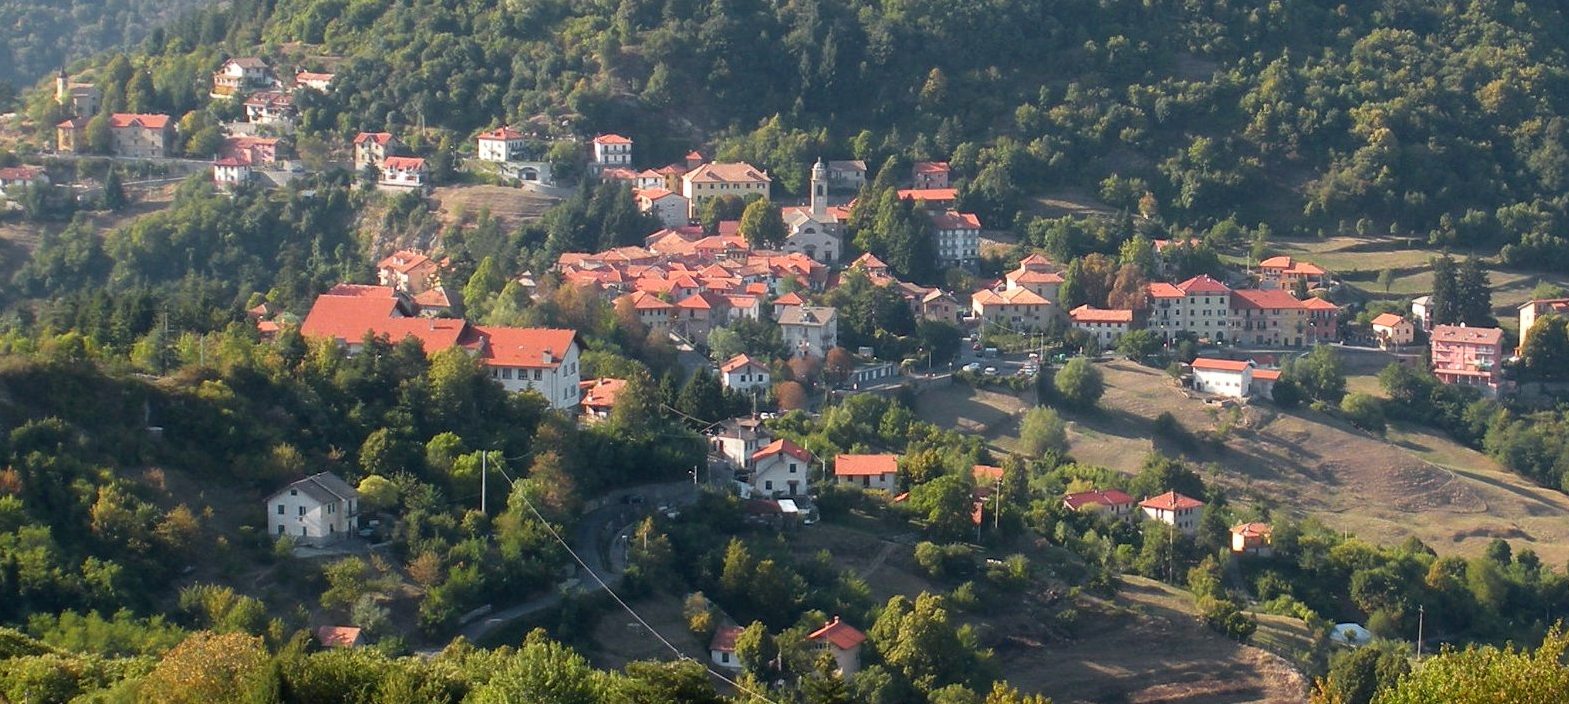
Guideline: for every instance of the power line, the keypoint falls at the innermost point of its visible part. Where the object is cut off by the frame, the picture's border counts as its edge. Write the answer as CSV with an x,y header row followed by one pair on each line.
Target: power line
x,y
579,560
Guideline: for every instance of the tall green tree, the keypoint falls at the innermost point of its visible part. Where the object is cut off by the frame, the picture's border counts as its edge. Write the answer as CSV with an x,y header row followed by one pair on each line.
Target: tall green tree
x,y
762,225
1474,294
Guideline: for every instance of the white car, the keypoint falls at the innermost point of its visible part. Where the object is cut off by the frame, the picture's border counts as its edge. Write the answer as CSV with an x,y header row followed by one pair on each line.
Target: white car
x,y
972,367
989,371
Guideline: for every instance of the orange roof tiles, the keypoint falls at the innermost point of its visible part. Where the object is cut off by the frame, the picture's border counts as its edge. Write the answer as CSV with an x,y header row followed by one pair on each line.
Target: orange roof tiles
x,y
839,634
953,220
382,138
739,172
1170,501
504,133
1097,497
1264,299
1161,289
404,163
741,360
1388,320
529,348
1090,314
1220,365
865,465
782,446
612,139
930,195
1459,334
600,394
152,122
1202,283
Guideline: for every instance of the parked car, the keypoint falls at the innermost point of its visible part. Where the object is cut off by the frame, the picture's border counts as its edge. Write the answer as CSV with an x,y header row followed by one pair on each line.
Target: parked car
x,y
972,367
989,371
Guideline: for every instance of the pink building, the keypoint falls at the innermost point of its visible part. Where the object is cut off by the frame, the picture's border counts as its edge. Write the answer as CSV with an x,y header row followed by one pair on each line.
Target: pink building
x,y
1469,356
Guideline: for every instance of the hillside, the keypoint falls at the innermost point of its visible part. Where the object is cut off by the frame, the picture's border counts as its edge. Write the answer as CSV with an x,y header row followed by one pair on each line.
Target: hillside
x,y
43,35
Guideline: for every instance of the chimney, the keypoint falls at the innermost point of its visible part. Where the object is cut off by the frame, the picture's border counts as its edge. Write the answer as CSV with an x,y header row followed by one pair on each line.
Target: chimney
x,y
547,356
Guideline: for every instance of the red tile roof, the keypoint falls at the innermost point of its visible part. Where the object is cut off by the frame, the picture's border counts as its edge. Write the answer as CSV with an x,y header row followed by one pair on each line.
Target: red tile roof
x,y
1015,297
839,634
404,163
1316,303
986,473
1170,501
953,220
1252,530
869,261
1097,497
382,138
1161,289
724,639
739,172
865,465
931,195
739,361
1202,283
152,122
931,167
338,636
1264,299
1221,365
600,394
611,139
1266,375
1281,262
526,347
1090,314
1460,334
504,133
785,447
403,261
1388,320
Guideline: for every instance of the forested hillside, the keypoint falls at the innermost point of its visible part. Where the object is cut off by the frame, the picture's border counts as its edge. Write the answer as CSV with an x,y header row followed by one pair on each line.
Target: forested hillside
x,y
1306,114
42,35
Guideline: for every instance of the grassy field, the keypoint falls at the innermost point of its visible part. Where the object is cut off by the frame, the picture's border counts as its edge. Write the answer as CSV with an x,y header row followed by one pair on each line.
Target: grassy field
x,y
1384,489
1145,645
1358,261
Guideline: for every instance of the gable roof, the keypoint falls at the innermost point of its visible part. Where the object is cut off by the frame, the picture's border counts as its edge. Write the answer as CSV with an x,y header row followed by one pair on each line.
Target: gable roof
x,y
1097,497
601,393
405,163
954,220
930,167
739,361
1014,297
1281,262
865,465
1090,314
612,139
737,172
838,633
807,315
782,446
526,347
1388,320
1264,299
1460,334
724,639
931,195
869,261
129,119
324,487
1252,530
338,636
1220,365
1202,283
504,133
382,138
1170,501
1161,289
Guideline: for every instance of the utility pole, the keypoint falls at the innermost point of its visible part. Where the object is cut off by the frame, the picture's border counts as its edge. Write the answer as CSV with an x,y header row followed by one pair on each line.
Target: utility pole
x,y
483,456
1421,616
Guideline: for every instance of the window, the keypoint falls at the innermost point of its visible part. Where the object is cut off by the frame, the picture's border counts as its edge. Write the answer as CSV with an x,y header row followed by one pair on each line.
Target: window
x,y
280,509
302,531
792,468
280,530
294,492
332,508
768,485
302,510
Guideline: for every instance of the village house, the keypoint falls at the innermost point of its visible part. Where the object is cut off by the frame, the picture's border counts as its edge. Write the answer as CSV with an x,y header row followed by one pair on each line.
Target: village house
x,y
1036,274
316,510
131,135
543,360
1106,327
501,145
843,642
930,200
1269,317
255,151
599,397
738,439
78,99
1232,378
1421,309
742,373
781,468
271,107
929,174
612,151
1284,272
1175,510
699,313
239,76
372,148
957,237
940,306
408,271
1114,503
1393,330
1469,357
404,173
868,471
230,173
1018,309
669,208
1323,320
809,331
846,176
340,637
710,181
20,177
651,310
1531,310
1200,306
815,230
1252,539
313,80
721,649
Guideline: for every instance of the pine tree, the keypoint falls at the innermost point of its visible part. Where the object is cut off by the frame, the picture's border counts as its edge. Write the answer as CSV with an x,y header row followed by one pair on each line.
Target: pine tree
x,y
114,191
1445,309
1474,294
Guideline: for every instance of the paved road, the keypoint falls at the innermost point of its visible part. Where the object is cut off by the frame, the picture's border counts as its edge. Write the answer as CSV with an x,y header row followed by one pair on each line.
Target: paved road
x,y
600,539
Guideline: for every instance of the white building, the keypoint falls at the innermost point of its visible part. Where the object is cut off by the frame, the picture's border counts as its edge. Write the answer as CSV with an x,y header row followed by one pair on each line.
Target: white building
x,y
1536,308
404,173
230,173
544,360
738,439
239,75
958,238
372,148
843,642
1106,326
742,373
1233,379
1421,308
670,208
710,181
1200,306
868,471
612,151
782,468
815,230
1175,510
316,510
809,331
721,650
1395,330
501,145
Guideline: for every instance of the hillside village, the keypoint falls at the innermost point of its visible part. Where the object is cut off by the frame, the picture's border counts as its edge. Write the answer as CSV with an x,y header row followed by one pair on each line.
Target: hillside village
x,y
309,403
